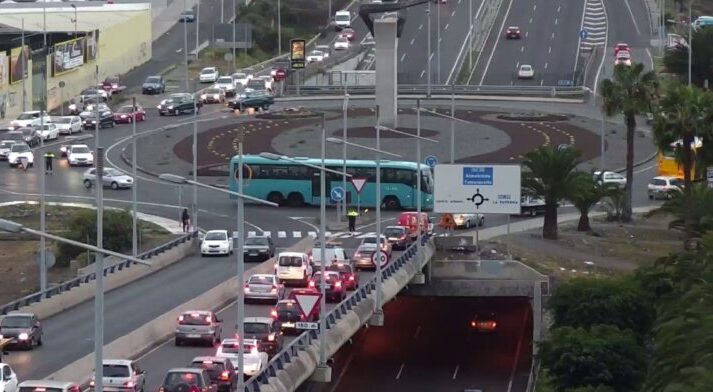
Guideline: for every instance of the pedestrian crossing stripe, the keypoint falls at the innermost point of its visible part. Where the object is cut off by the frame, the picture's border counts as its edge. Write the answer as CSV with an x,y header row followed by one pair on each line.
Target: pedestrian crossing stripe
x,y
315,234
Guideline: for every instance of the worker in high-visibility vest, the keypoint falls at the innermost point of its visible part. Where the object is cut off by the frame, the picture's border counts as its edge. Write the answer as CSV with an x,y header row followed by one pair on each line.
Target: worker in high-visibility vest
x,y
351,217
49,156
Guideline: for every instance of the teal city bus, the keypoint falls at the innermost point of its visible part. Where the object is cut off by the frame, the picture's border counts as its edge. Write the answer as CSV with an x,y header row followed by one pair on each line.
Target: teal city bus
x,y
289,183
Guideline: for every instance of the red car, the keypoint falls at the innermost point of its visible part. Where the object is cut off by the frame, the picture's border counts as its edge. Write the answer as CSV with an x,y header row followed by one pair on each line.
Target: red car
x,y
112,84
124,114
621,47
348,33
279,74
513,32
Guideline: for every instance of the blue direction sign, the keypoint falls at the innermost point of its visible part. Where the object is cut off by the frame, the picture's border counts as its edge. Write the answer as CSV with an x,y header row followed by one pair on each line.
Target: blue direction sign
x,y
431,161
337,193
583,34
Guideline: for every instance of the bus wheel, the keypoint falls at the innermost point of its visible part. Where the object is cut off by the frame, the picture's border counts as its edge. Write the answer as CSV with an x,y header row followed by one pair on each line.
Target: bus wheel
x,y
295,199
276,197
392,203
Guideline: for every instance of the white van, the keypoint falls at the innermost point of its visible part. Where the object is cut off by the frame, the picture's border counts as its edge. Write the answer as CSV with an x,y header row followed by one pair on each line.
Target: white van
x,y
342,20
293,267
333,255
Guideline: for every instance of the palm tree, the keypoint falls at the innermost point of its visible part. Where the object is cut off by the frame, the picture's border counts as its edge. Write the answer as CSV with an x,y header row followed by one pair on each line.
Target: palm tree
x,y
692,211
630,93
684,116
586,194
551,175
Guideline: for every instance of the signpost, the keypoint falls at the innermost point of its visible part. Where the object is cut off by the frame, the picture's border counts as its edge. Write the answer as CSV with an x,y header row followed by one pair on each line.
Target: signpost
x,y
383,260
307,302
583,34
358,183
431,161
337,195
470,189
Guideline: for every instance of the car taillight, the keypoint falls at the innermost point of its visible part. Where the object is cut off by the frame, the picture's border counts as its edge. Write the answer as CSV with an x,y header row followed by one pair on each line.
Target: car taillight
x,y
225,375
91,383
208,319
338,284
274,289
129,384
311,283
271,337
273,313
351,277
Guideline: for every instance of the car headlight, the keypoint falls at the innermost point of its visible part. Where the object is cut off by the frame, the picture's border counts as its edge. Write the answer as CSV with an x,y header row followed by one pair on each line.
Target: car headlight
x,y
23,336
216,96
170,108
204,96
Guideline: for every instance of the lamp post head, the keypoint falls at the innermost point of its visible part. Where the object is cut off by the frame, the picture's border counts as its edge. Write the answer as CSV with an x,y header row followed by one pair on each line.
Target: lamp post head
x,y
176,179
10,226
270,155
334,140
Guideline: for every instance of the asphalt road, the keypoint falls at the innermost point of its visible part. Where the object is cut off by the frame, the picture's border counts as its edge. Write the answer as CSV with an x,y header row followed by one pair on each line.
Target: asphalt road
x,y
428,345
549,43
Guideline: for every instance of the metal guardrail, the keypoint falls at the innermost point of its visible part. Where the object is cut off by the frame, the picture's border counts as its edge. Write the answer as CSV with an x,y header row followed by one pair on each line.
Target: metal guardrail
x,y
84,279
284,357
458,90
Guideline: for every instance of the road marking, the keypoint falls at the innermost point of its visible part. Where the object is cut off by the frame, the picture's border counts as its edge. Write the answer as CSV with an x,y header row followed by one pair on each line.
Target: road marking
x,y
549,50
527,33
651,59
403,56
297,234
542,82
556,20
401,369
431,56
497,41
455,372
522,49
267,233
546,64
412,40
517,65
281,234
251,234
534,7
446,27
525,314
558,8
530,20
420,27
553,35
418,331
423,71
454,12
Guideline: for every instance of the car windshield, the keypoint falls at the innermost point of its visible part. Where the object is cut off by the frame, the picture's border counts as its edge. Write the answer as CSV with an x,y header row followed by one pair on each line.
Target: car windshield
x,y
208,71
153,79
658,182
256,328
366,251
526,68
372,240
212,91
393,232
20,148
16,322
240,76
125,109
63,120
285,305
194,319
175,378
215,236
80,150
290,261
28,116
328,277
116,371
6,143
231,348
225,80
315,53
111,172
256,241
212,368
342,17
256,279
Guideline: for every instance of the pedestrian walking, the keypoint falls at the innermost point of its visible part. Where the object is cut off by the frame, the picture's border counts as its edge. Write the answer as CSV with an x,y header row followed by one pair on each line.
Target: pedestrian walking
x,y
49,156
185,220
351,218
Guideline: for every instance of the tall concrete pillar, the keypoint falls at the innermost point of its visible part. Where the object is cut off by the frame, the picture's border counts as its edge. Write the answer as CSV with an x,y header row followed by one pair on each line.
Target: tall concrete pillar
x,y
386,69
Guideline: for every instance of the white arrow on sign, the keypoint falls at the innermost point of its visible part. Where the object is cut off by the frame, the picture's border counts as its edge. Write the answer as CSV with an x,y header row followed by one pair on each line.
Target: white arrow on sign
x,y
384,258
358,183
308,303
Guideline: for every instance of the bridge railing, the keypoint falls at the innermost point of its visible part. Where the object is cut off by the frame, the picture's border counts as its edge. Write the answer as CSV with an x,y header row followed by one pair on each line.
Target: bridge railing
x,y
86,278
291,350
571,92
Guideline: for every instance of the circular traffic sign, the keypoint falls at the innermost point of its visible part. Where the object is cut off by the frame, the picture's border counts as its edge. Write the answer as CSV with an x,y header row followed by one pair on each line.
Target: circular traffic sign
x,y
61,84
384,258
431,161
337,193
583,34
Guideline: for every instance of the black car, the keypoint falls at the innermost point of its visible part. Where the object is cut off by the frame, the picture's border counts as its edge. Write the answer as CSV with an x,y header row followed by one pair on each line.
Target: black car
x,y
187,380
220,370
178,104
187,16
31,136
258,248
286,313
89,119
92,92
254,99
334,287
267,333
153,85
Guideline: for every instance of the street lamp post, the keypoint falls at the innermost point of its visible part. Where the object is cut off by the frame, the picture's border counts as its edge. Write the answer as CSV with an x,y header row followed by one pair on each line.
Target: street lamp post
x,y
418,174
438,43
75,20
690,41
239,252
134,223
428,49
345,120
235,20
198,24
185,46
279,29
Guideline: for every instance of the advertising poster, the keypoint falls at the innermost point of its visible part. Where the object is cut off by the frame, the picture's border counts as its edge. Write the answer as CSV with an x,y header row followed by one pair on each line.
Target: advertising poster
x,y
68,55
19,58
4,69
297,53
92,45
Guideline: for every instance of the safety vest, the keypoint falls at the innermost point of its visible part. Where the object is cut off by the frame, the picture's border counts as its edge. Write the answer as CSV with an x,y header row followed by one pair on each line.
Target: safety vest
x,y
352,213
49,154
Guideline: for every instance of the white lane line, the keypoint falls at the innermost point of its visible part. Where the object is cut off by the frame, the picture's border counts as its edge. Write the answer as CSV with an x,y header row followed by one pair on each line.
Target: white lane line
x,y
555,23
453,13
281,234
631,13
651,59
296,234
418,331
312,234
413,40
522,49
530,20
527,33
558,8
549,50
542,82
534,7
251,233
420,27
645,169
403,56
446,26
401,369
455,372
517,65
431,56
267,233
546,64
423,71
553,35
497,41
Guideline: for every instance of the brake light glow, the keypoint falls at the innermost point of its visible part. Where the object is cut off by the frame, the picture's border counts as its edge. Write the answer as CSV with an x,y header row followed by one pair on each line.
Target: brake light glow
x,y
271,337
338,284
351,277
180,318
160,389
91,384
208,319
207,362
246,289
274,289
311,283
43,389
225,375
273,313
129,384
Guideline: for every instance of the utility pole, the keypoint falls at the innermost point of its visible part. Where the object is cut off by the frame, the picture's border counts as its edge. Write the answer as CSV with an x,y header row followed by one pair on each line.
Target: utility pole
x,y
185,45
428,49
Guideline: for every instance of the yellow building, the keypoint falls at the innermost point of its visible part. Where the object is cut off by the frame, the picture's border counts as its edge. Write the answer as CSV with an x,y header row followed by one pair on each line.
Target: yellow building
x,y
85,44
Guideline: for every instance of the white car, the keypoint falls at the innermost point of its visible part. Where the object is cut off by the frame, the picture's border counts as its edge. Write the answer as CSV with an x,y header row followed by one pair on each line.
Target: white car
x,y
121,375
315,56
217,242
209,75
49,385
80,154
663,186
332,254
5,148
30,118
341,43
18,152
324,49
241,78
264,287
48,131
525,72
254,361
226,84
68,125
623,57
468,220
8,378
609,177
371,240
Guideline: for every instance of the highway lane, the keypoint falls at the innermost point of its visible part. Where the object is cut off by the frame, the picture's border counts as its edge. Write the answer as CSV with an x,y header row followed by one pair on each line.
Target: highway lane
x,y
427,345
549,43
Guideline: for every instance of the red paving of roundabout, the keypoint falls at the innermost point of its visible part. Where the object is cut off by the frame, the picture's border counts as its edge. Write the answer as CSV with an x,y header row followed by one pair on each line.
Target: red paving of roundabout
x,y
219,144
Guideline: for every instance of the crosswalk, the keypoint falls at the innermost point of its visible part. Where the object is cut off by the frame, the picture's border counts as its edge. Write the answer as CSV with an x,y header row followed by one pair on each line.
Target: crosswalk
x,y
284,234
594,25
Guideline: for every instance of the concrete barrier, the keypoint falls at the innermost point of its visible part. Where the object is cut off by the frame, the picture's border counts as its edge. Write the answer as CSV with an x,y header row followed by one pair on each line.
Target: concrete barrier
x,y
58,303
162,328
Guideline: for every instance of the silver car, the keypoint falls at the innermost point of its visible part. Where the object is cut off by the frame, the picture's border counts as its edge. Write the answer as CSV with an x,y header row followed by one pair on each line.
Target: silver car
x,y
121,375
198,325
112,178
264,287
24,328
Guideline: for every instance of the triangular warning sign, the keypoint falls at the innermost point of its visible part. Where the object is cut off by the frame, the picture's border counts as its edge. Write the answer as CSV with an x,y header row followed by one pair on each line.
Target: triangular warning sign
x,y
358,183
308,303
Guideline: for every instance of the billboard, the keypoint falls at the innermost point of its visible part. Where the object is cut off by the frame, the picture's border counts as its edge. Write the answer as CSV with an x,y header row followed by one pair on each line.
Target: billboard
x,y
19,59
471,189
92,45
4,69
68,55
297,53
